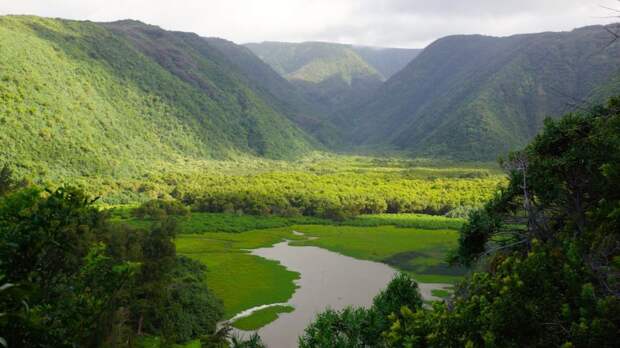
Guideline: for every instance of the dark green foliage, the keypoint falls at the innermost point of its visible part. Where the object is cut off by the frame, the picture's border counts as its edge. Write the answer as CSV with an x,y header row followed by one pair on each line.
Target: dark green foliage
x,y
401,291
361,327
547,244
477,97
45,236
72,279
6,180
189,308
348,328
48,249
159,209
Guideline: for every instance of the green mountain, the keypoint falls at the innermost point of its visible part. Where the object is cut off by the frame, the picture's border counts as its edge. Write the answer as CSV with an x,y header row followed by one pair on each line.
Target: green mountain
x,y
332,75
84,98
387,61
475,97
283,95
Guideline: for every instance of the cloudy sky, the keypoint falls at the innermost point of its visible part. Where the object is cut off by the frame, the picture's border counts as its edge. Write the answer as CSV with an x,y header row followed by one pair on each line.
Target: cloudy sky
x,y
396,23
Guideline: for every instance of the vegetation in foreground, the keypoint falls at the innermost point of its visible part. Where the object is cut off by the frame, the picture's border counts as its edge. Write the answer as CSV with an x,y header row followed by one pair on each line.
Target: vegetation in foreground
x,y
243,280
549,248
362,327
70,278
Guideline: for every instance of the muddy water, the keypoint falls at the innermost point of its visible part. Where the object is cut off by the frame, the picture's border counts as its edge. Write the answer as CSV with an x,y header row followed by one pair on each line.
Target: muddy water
x,y
327,280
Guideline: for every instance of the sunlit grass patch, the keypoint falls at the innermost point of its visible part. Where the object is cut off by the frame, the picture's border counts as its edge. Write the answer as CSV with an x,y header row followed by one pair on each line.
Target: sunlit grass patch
x,y
406,220
261,318
417,251
239,279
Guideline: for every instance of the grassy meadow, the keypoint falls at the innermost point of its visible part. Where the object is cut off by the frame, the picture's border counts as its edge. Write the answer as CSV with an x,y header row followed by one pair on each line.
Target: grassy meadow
x,y
239,279
414,243
256,204
420,252
261,318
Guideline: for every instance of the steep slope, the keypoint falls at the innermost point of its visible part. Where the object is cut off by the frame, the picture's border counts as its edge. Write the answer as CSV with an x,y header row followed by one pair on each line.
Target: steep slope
x,y
387,61
329,75
283,95
84,98
475,97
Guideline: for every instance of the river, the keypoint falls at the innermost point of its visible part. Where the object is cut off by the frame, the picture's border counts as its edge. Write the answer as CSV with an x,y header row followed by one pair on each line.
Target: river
x,y
328,280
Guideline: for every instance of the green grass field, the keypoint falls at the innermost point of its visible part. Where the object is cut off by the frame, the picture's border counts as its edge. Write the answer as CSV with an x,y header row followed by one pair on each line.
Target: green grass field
x,y
239,279
421,252
261,318
199,222
411,242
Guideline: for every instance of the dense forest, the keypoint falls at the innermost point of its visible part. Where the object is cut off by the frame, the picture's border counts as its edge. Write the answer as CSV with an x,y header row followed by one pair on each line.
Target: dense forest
x,y
477,97
546,248
143,170
89,97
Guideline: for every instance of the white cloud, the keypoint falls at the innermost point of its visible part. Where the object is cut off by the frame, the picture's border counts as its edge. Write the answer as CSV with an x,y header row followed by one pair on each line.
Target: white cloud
x,y
405,23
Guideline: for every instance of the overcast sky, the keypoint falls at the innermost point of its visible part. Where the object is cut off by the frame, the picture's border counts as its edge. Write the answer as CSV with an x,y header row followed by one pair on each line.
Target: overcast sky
x,y
396,23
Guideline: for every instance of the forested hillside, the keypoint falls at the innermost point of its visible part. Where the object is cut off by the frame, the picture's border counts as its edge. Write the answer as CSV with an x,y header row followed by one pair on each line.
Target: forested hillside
x,y
332,75
545,252
285,96
111,99
476,97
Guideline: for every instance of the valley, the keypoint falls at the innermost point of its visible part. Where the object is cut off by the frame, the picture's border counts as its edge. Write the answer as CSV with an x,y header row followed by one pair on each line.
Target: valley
x,y
163,188
259,268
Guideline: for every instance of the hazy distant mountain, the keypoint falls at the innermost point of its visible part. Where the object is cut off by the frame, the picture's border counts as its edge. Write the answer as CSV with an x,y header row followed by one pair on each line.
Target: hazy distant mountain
x,y
476,97
387,61
84,97
283,95
332,75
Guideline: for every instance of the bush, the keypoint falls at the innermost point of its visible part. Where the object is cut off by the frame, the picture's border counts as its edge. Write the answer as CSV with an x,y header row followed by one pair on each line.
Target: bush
x,y
361,327
160,209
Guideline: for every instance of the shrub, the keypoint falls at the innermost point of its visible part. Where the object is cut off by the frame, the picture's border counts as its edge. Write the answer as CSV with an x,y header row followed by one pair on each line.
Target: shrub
x,y
160,209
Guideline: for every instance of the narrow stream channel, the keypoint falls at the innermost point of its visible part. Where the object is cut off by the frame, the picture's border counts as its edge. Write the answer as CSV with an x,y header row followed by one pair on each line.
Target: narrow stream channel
x,y
328,280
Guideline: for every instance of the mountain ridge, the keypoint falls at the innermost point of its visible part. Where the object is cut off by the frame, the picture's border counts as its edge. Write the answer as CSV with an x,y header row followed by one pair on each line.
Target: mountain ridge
x,y
330,75
475,96
82,97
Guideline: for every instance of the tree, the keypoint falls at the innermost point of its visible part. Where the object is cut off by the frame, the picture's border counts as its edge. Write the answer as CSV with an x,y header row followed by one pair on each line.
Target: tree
x,y
71,278
548,245
361,327
48,250
6,180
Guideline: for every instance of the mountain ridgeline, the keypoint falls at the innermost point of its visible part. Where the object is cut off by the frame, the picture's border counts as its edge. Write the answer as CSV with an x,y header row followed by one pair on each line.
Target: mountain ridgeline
x,y
476,97
331,75
83,98
86,98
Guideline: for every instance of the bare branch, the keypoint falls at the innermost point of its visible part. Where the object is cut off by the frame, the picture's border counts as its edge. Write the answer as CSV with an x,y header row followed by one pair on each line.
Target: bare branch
x,y
610,8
